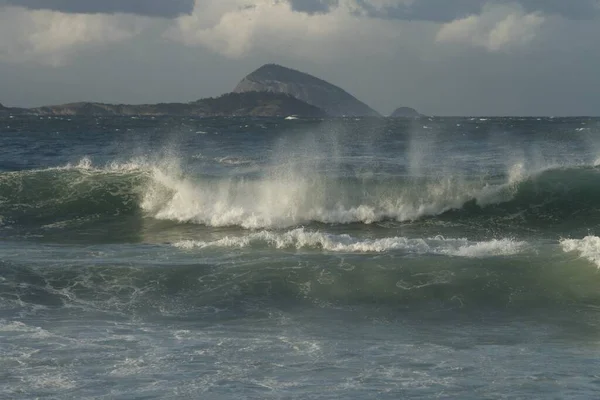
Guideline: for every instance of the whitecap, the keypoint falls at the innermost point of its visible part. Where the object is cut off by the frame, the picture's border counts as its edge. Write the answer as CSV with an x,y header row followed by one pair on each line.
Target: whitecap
x,y
306,239
588,248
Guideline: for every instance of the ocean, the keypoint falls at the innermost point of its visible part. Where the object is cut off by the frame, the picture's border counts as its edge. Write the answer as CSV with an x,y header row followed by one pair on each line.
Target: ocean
x,y
271,258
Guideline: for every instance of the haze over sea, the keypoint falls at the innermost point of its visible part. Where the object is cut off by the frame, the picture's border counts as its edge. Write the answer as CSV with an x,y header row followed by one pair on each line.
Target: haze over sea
x,y
240,258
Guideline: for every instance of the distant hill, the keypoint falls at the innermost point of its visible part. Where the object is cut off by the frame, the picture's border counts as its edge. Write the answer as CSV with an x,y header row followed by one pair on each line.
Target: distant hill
x,y
259,104
406,112
10,110
270,91
277,79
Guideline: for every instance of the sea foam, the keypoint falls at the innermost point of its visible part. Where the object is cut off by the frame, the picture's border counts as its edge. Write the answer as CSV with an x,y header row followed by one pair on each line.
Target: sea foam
x,y
306,239
289,194
588,248
282,199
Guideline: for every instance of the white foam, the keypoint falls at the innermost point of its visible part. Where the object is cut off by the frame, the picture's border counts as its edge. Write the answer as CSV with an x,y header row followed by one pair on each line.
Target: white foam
x,y
289,195
304,239
225,160
86,164
23,329
496,247
296,189
281,200
231,160
588,248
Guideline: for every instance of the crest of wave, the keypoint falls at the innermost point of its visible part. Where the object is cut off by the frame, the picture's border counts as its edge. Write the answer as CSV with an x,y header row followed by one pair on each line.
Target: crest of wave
x,y
303,184
86,164
292,194
301,238
588,248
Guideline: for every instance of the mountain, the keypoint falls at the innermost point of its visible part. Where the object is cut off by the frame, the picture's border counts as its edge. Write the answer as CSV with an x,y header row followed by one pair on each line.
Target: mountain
x,y
11,110
265,104
270,91
277,79
406,112
231,104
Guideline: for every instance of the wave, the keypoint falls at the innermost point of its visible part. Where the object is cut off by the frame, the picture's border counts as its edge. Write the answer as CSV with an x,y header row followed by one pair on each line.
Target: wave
x,y
303,239
284,197
71,192
588,248
195,289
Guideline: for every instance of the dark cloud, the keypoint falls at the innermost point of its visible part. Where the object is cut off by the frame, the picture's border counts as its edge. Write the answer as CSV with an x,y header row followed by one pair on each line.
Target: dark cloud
x,y
418,10
155,8
313,6
579,9
423,10
445,10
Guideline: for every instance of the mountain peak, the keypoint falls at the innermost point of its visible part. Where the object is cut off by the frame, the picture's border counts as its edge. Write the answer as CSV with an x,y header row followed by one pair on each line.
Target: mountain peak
x,y
406,112
315,91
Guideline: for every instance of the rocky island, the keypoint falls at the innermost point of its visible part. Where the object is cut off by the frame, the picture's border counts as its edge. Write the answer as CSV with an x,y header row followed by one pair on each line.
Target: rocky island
x,y
270,91
277,79
255,104
230,104
406,112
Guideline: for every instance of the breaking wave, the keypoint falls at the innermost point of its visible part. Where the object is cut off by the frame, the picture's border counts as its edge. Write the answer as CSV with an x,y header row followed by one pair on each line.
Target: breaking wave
x,y
303,239
283,197
588,248
198,288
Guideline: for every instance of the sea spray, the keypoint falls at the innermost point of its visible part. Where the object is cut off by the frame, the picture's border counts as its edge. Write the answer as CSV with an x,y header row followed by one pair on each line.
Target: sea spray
x,y
97,292
308,180
285,195
588,248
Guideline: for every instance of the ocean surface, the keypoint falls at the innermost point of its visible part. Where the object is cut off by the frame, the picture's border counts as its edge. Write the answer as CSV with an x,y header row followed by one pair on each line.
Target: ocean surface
x,y
232,258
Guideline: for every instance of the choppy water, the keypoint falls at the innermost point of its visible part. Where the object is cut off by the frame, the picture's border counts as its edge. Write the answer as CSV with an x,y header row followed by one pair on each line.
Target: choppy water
x,y
294,259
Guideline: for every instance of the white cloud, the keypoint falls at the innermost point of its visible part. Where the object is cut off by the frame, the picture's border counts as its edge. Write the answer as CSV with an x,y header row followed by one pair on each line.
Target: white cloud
x,y
234,29
496,28
51,37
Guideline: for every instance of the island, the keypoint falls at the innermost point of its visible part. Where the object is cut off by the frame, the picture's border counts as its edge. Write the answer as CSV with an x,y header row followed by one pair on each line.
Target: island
x,y
270,91
231,104
406,112
278,79
254,104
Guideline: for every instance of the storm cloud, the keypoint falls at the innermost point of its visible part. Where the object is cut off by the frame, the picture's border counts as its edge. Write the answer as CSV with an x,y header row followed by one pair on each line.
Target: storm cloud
x,y
313,6
154,8
445,11
414,10
442,57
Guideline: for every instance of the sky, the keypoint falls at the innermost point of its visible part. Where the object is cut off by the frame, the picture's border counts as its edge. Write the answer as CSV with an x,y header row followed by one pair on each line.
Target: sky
x,y
442,57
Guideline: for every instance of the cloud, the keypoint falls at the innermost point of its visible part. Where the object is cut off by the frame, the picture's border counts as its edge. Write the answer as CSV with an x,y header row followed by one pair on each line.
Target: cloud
x,y
496,28
580,9
440,56
449,10
417,10
51,37
233,29
313,6
157,8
